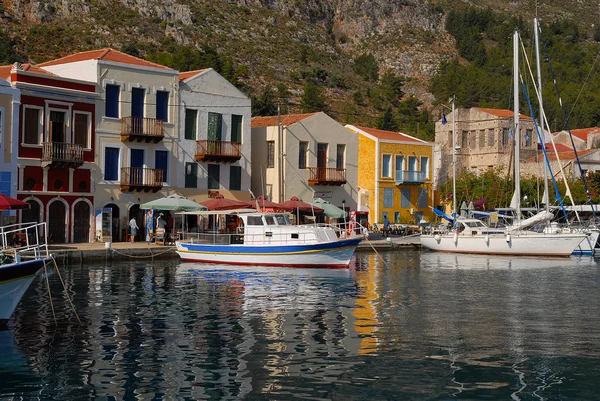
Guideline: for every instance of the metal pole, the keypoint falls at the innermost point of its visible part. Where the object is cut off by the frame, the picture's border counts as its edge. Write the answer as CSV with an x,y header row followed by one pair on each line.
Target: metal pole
x,y
453,158
541,117
280,157
516,133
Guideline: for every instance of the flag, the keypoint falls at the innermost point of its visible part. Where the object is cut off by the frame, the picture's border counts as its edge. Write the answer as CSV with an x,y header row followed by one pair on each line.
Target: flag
x,y
444,121
510,133
526,137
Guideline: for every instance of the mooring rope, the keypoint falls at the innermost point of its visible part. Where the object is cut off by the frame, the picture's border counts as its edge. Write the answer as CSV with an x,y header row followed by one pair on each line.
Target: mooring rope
x,y
49,293
65,288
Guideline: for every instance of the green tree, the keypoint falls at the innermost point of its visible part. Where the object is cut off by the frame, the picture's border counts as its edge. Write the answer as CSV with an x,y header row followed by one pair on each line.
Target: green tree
x,y
366,66
386,121
391,87
264,105
8,52
313,99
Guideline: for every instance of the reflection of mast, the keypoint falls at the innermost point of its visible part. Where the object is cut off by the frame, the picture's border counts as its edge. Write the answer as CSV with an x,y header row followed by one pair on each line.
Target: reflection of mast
x,y
366,323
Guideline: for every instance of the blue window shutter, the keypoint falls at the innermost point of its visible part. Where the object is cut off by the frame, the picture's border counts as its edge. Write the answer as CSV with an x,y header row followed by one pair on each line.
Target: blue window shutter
x,y
111,164
112,100
161,162
162,105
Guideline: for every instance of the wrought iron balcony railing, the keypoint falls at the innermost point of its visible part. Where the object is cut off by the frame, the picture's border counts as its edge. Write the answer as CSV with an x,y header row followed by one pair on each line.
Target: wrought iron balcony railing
x,y
410,177
141,179
326,176
142,129
218,151
61,154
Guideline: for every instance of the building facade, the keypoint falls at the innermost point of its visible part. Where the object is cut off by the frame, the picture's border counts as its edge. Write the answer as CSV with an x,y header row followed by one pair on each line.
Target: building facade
x,y
136,145
484,140
10,99
214,155
55,148
395,175
310,156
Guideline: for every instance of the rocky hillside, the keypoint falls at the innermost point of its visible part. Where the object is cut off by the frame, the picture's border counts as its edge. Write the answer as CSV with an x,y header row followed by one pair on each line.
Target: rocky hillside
x,y
278,41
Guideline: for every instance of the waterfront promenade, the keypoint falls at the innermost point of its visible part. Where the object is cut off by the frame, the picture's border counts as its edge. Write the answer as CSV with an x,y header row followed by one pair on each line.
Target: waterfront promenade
x,y
97,251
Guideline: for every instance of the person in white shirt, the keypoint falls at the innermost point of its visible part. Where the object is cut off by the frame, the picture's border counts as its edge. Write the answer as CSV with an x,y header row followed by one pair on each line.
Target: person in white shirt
x,y
133,227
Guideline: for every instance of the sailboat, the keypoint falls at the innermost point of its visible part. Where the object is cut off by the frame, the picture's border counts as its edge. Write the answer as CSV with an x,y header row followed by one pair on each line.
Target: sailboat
x,y
469,235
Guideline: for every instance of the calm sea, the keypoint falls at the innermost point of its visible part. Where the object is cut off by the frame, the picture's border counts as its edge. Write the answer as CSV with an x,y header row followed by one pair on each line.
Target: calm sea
x,y
409,326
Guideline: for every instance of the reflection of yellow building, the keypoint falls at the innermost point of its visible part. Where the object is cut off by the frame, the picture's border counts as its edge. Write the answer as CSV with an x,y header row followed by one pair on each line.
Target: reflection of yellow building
x,y
394,176
366,323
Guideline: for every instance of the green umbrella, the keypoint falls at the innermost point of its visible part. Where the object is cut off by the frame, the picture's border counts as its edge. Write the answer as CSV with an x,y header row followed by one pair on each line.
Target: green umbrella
x,y
330,210
174,202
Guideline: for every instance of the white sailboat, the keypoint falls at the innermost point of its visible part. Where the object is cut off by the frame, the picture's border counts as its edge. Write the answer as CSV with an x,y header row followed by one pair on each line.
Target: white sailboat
x,y
473,236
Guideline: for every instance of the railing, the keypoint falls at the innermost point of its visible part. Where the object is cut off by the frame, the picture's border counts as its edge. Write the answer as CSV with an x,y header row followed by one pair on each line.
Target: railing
x,y
62,152
141,177
142,126
409,177
326,176
222,149
25,239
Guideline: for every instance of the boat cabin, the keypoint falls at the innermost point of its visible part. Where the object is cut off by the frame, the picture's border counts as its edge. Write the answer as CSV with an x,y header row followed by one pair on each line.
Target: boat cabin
x,y
475,227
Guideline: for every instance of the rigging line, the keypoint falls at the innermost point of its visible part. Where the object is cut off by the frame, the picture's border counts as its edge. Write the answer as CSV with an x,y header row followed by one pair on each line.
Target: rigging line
x,y
584,83
566,122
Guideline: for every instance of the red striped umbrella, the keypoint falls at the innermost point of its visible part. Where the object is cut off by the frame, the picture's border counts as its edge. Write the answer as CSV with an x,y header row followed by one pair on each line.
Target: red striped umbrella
x,y
8,203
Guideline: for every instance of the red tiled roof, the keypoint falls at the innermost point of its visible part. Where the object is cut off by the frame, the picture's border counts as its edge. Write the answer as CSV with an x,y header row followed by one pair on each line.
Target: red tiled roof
x,y
502,113
389,135
566,155
559,147
582,133
106,54
188,74
5,70
287,119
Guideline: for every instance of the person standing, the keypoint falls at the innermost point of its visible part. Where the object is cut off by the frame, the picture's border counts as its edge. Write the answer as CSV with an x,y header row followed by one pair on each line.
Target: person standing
x,y
133,227
386,226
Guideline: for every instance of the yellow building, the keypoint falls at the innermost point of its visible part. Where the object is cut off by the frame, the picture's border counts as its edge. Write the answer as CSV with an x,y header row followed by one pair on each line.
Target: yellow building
x,y
394,176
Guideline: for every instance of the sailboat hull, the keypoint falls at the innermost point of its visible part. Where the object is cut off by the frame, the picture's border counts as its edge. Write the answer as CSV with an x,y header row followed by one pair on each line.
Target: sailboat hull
x,y
505,244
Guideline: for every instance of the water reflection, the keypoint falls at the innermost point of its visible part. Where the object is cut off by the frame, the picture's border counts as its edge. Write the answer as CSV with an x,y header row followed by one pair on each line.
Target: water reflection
x,y
406,325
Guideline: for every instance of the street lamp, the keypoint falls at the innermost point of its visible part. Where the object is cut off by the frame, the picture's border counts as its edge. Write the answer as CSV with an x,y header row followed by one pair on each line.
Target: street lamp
x,y
344,208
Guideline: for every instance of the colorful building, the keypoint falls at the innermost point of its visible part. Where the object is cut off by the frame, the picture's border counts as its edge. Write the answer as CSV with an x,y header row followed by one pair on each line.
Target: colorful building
x,y
394,176
56,157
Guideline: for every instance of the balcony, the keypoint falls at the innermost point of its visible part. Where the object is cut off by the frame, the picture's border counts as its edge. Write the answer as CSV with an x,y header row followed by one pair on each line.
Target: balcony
x,y
409,177
326,176
141,179
60,154
142,129
217,151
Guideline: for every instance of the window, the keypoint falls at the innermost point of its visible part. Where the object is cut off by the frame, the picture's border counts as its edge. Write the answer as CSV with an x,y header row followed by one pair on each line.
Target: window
x,y
112,101
161,161
388,197
472,140
191,121
504,136
425,166
405,197
235,178
111,164
270,154
423,200
214,173
254,221
482,139
236,128
528,138
341,151
58,127
396,217
302,152
386,168
81,129
162,105
399,163
491,137
191,175
215,122
412,163
464,137
32,126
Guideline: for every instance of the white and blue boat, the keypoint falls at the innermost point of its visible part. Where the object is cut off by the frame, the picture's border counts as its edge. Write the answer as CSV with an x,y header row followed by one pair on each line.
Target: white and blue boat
x,y
23,253
270,239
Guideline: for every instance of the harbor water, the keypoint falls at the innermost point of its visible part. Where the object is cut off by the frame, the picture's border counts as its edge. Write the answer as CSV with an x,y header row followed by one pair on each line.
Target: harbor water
x,y
410,325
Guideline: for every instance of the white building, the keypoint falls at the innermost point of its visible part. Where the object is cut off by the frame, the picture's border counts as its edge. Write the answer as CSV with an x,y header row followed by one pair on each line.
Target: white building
x,y
214,137
316,158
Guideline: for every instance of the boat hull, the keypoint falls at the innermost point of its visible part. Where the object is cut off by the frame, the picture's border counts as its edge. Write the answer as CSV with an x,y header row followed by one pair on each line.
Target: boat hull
x,y
336,254
15,278
589,246
516,244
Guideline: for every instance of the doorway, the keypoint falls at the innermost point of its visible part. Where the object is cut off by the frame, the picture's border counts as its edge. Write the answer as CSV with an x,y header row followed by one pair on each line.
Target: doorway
x,y
57,218
136,158
81,222
135,211
116,235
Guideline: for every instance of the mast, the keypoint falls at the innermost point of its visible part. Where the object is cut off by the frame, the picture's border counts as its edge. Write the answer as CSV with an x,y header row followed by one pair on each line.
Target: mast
x,y
516,135
453,159
541,117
